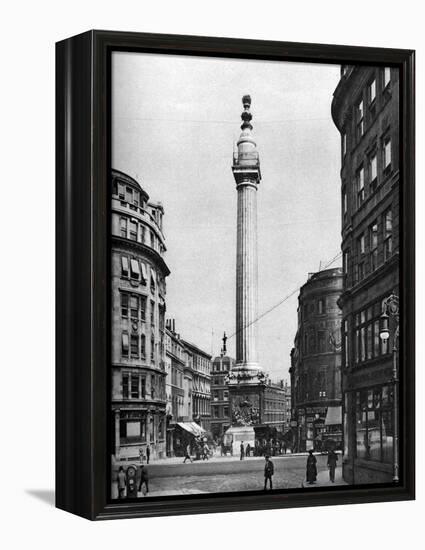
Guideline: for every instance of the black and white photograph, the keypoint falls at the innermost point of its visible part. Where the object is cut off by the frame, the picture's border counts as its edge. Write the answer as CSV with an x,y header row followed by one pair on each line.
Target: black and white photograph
x,y
254,276
211,319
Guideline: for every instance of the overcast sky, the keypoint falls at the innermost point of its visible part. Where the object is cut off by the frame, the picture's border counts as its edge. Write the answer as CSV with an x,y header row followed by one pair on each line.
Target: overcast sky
x,y
174,122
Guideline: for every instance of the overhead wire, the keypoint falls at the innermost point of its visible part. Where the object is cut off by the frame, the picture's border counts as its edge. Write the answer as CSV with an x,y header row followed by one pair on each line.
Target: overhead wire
x,y
283,300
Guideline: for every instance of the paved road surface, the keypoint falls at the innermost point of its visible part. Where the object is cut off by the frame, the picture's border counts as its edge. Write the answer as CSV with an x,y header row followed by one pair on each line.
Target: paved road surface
x,y
222,476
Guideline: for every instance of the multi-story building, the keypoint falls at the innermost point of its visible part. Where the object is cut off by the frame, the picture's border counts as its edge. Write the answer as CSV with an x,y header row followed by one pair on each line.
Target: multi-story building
x,y
178,389
273,415
288,409
201,385
138,273
220,412
176,362
365,109
316,362
187,388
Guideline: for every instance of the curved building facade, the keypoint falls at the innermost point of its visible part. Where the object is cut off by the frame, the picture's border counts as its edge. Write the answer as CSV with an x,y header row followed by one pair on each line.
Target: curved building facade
x,y
138,287
316,361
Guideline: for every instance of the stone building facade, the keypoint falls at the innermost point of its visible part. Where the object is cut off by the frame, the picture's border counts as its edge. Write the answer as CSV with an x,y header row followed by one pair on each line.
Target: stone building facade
x,y
288,408
178,383
201,385
365,109
273,415
316,362
138,288
220,411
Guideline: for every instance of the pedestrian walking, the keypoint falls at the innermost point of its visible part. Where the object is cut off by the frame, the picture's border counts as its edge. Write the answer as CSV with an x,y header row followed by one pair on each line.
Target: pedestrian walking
x,y
141,455
144,480
242,451
148,454
332,460
187,455
248,450
121,480
268,472
311,473
206,452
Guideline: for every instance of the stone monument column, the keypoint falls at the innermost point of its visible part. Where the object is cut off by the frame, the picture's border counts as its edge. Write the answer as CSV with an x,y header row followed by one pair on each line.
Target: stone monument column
x,y
246,171
246,380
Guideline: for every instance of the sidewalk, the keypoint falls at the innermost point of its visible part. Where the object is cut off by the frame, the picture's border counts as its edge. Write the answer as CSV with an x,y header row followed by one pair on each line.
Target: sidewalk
x,y
215,458
323,479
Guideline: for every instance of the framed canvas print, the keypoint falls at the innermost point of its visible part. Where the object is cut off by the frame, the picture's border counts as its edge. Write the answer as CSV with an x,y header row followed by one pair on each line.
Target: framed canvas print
x,y
235,275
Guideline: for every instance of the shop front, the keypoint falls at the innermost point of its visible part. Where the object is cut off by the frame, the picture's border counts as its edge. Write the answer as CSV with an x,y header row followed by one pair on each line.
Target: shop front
x,y
370,438
188,433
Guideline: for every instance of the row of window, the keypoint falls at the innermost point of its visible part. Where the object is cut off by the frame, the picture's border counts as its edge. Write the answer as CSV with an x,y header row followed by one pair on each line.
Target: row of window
x,y
127,193
134,269
176,377
367,343
201,406
175,347
135,200
220,395
379,236
200,385
365,108
201,363
132,229
133,306
218,380
133,346
220,366
219,412
134,386
317,341
318,307
366,178
308,388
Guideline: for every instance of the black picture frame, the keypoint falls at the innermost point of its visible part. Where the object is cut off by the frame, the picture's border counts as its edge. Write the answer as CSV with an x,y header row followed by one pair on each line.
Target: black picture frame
x,y
82,258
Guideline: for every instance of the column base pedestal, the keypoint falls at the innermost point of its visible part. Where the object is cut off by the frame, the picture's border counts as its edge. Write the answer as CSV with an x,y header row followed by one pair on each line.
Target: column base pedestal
x,y
238,435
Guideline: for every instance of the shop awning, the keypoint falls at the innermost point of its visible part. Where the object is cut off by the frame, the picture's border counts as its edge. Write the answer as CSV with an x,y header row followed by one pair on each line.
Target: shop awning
x,y
191,427
333,416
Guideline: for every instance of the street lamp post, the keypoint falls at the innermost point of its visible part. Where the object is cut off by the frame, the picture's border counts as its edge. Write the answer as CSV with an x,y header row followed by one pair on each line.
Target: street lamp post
x,y
391,308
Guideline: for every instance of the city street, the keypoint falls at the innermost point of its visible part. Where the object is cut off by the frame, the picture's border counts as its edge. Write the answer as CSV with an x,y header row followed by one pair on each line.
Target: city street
x,y
223,474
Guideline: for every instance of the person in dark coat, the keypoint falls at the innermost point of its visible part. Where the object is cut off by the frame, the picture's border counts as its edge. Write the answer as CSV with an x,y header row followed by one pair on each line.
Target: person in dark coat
x,y
268,472
144,479
332,460
187,455
311,473
248,450
205,452
148,454
242,451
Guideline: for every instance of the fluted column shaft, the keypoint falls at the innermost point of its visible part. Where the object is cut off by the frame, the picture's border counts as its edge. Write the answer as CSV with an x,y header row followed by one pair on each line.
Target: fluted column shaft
x,y
246,276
